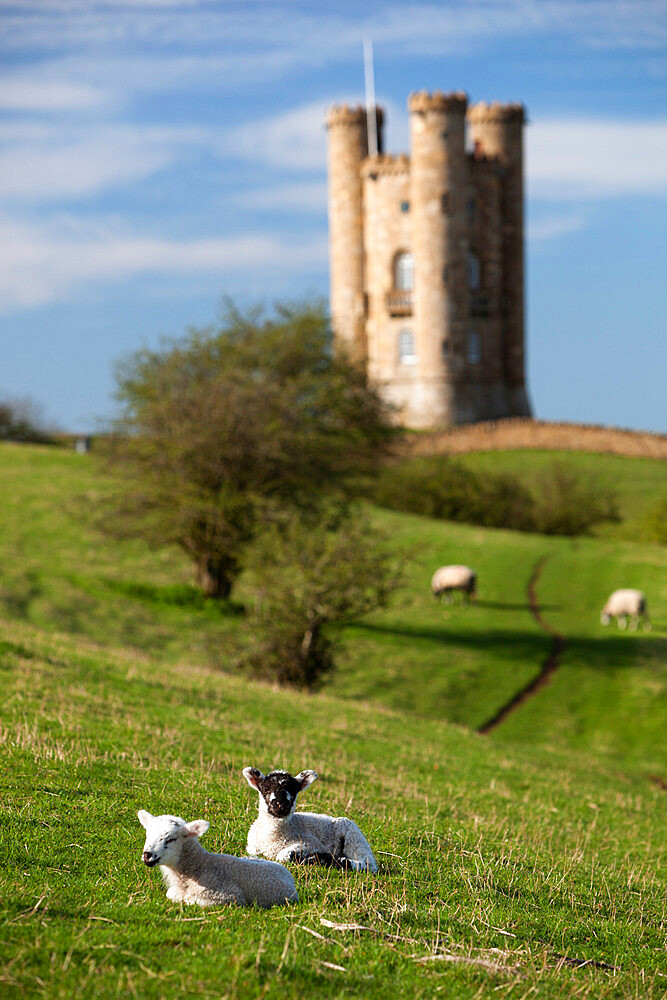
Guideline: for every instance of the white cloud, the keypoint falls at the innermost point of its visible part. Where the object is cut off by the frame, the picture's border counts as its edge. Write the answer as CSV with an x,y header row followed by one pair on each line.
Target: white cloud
x,y
47,162
579,159
295,139
40,264
550,227
25,94
299,33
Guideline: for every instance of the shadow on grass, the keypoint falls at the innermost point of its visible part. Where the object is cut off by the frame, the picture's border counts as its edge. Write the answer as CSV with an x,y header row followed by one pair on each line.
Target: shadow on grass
x,y
473,638
16,650
506,606
17,601
182,595
8,649
636,649
607,651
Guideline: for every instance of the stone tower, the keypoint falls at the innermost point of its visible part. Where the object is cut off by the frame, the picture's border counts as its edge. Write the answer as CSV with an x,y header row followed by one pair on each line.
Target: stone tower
x,y
426,258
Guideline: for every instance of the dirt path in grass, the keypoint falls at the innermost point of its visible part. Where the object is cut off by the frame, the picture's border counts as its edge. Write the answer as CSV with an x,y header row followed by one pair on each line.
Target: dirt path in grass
x,y
548,667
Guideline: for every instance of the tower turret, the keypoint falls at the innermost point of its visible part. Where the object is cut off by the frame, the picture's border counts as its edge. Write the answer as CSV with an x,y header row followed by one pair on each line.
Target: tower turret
x,y
497,131
438,184
347,147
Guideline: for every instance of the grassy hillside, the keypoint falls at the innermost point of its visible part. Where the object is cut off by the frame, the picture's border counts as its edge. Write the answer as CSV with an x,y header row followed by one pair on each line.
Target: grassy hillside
x,y
500,873
58,571
525,863
464,663
441,662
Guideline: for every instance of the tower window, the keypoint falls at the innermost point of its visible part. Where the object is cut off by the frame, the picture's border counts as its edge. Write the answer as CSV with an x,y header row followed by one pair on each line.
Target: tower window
x,y
445,348
474,272
405,206
404,272
472,209
474,347
406,348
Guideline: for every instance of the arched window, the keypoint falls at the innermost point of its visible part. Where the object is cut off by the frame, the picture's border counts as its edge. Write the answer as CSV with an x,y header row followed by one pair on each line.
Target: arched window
x,y
406,348
474,347
474,272
404,272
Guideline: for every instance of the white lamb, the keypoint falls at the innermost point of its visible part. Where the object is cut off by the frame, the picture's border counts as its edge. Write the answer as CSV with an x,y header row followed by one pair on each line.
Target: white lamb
x,y
626,605
449,578
303,838
194,875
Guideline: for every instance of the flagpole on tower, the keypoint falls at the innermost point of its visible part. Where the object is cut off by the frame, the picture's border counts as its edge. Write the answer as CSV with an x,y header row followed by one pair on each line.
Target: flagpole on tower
x,y
371,115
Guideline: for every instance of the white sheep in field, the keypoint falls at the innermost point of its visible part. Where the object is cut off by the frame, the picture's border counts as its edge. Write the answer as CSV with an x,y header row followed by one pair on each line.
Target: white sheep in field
x,y
303,838
194,875
449,578
626,605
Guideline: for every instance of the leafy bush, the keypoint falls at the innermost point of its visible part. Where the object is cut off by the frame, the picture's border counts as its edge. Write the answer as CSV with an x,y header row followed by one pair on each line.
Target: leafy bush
x,y
308,575
434,487
559,502
567,504
506,503
440,487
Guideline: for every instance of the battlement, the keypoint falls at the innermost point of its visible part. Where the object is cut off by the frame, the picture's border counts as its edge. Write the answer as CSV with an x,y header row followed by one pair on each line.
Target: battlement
x,y
385,164
343,114
421,101
484,113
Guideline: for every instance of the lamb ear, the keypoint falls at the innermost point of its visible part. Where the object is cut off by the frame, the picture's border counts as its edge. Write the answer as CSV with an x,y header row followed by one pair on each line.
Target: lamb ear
x,y
305,778
197,828
144,818
253,776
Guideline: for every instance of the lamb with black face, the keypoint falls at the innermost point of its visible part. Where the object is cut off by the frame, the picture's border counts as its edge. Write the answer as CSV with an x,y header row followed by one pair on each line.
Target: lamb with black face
x,y
279,790
283,834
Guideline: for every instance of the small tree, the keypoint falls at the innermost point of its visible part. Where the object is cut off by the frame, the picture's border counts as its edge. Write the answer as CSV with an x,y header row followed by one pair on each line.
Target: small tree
x,y
309,576
22,420
227,427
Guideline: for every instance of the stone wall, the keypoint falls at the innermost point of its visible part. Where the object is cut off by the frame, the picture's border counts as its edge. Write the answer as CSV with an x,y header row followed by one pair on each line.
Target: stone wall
x,y
517,433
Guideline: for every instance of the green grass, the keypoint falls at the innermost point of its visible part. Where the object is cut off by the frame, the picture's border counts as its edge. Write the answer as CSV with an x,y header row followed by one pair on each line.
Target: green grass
x,y
463,664
444,662
501,856
58,571
503,861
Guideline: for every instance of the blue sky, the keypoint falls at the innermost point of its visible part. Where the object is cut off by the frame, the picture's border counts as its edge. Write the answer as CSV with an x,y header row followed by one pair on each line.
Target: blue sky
x,y
157,155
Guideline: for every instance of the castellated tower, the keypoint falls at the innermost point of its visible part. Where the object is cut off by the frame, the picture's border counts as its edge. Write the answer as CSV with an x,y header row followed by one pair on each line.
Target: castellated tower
x,y
426,258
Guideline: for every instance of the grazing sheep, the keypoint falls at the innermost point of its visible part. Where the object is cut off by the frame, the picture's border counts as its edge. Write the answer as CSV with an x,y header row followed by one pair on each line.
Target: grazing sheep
x,y
304,838
626,605
449,578
194,875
